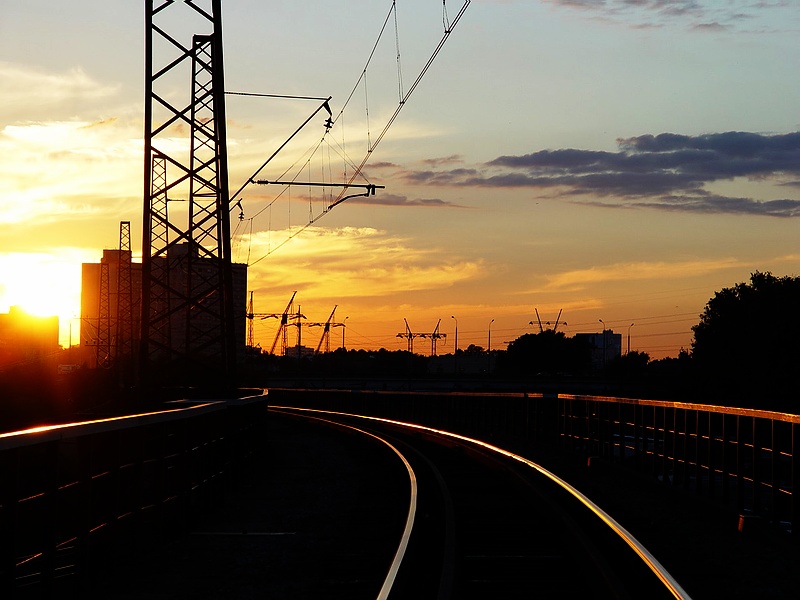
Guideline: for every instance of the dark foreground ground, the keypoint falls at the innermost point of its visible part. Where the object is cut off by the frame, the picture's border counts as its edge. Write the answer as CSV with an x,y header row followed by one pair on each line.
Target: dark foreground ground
x,y
696,540
306,491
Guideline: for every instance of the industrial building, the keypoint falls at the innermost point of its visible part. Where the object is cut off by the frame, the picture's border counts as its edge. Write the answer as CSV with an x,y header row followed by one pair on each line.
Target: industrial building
x,y
605,347
111,290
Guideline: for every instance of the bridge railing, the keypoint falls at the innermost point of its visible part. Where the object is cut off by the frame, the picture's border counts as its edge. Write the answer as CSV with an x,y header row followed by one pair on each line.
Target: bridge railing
x,y
81,497
748,460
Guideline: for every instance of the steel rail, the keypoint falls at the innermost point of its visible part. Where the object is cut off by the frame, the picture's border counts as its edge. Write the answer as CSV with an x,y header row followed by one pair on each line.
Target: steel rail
x,y
655,566
391,576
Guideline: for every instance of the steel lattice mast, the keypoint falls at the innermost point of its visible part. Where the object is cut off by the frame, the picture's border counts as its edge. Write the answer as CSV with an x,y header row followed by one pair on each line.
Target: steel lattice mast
x,y
187,275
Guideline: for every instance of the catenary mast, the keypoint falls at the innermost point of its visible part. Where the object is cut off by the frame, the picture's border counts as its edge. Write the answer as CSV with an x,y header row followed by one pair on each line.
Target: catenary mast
x,y
187,276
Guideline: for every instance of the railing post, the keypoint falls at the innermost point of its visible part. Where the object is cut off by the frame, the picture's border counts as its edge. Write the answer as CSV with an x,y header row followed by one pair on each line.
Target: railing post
x,y
756,472
773,477
637,435
9,497
794,481
726,460
682,444
85,451
49,518
739,465
710,463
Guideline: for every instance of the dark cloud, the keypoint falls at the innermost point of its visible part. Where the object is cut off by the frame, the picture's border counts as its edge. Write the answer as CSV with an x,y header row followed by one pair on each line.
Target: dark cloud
x,y
696,15
444,160
713,204
397,200
665,171
709,27
452,176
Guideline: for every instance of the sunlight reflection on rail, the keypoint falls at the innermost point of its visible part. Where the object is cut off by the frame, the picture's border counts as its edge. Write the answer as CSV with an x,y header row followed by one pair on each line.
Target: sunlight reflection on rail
x,y
660,572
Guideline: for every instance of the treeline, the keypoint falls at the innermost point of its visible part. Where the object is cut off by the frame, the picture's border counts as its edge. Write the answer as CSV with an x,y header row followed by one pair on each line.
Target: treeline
x,y
745,353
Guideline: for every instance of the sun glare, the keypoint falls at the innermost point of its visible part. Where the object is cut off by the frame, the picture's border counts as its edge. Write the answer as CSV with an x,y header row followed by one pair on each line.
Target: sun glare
x,y
43,285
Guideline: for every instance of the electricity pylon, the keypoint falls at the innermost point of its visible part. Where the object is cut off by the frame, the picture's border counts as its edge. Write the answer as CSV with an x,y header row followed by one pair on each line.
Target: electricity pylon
x,y
187,275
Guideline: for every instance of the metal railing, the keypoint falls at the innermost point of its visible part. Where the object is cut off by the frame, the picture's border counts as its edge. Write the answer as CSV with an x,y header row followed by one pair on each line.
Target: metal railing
x,y
743,458
78,498
748,460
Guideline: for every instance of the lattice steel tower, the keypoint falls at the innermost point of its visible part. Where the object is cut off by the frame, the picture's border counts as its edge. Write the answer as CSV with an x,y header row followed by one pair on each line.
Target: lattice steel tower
x,y
187,276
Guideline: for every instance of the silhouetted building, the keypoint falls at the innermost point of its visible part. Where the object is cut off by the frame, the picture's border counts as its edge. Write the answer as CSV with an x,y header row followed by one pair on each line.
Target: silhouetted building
x,y
101,285
25,338
605,347
299,351
104,287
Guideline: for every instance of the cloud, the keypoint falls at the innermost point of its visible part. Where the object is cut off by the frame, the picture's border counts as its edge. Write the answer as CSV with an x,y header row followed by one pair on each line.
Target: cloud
x,y
639,271
26,90
396,200
67,168
443,160
666,171
696,15
357,263
712,204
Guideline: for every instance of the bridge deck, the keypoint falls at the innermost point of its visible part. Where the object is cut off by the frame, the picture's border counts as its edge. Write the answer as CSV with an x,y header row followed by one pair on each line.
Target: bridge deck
x,y
275,536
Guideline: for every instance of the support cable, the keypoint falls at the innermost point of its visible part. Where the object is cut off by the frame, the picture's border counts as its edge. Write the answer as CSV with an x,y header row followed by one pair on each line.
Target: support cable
x,y
325,105
397,46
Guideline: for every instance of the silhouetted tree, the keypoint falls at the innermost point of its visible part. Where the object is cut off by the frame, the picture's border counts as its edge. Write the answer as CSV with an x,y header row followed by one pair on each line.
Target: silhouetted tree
x,y
547,353
630,364
746,346
474,349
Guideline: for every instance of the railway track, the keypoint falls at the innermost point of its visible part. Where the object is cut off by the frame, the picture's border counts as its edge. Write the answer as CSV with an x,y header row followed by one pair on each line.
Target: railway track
x,y
484,523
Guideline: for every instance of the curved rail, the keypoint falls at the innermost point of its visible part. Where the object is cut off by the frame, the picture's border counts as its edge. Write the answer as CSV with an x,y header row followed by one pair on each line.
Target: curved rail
x,y
391,576
647,558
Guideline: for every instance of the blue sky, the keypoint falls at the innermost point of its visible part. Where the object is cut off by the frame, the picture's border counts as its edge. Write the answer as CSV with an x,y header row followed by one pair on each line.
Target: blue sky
x,y
620,160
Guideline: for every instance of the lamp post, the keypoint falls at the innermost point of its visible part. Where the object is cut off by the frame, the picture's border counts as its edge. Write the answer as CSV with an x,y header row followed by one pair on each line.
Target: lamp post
x,y
344,327
456,320
604,342
629,339
490,336
69,351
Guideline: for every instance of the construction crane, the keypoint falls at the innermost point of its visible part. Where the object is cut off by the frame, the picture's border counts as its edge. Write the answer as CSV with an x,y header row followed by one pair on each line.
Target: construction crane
x,y
555,324
286,316
251,316
325,331
409,335
435,336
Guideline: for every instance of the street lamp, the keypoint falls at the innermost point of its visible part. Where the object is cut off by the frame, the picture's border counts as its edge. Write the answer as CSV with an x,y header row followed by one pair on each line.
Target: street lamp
x,y
604,342
629,339
456,320
490,335
344,327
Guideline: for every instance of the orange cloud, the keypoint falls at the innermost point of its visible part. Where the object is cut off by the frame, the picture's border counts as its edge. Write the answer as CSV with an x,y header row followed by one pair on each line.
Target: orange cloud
x,y
581,278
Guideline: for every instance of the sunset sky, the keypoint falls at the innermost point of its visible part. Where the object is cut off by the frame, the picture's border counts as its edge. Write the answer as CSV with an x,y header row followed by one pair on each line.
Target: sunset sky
x,y
616,160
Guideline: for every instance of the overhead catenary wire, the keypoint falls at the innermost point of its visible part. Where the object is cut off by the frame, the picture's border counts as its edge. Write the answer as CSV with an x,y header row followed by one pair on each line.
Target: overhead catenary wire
x,y
410,91
404,96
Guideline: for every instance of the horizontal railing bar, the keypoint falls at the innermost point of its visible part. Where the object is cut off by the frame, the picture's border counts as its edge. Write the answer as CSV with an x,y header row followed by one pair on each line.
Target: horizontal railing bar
x,y
53,433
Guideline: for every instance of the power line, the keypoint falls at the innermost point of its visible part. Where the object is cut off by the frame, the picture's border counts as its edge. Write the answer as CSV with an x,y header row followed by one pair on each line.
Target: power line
x,y
451,24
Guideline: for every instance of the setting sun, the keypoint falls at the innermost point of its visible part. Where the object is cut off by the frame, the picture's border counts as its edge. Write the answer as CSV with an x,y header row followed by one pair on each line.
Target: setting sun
x,y
44,285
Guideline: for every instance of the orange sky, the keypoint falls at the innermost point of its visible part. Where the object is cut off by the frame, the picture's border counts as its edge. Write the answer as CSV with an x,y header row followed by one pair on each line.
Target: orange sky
x,y
613,162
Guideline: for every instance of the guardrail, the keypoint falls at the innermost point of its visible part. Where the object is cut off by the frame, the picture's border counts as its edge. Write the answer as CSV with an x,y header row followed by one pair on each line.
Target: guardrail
x,y
82,497
748,460
743,458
